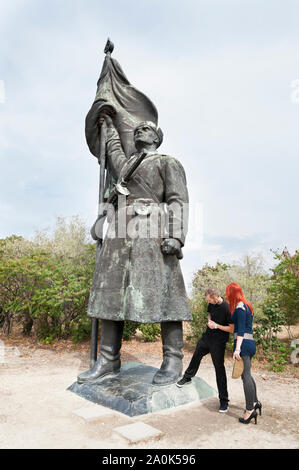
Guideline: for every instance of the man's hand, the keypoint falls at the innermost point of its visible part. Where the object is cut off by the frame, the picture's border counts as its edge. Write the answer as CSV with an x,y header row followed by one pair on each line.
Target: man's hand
x,y
212,325
171,246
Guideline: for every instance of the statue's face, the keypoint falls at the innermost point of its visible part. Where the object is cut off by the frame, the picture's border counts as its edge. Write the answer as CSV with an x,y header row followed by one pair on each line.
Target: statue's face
x,y
145,135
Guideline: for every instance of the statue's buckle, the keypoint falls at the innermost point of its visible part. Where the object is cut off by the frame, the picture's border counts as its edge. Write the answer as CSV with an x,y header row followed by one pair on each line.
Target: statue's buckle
x,y
121,189
142,208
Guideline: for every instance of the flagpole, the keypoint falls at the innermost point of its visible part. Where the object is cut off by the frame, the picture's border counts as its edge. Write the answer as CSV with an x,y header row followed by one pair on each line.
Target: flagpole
x,y
102,162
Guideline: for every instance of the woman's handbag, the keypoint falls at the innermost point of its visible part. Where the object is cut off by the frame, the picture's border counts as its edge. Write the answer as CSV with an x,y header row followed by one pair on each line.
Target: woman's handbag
x,y
238,368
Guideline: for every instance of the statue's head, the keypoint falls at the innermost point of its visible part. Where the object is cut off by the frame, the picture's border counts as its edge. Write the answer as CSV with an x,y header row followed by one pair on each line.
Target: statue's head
x,y
146,134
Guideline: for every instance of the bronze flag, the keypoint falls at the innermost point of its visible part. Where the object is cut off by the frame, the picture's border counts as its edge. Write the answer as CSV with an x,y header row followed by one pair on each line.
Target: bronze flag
x,y
130,106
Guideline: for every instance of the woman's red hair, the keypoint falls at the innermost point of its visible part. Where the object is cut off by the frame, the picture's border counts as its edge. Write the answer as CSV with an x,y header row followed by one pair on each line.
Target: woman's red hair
x,y
235,295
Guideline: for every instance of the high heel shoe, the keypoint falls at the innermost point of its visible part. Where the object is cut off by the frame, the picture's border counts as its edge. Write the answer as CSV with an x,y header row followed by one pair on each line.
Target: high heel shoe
x,y
258,406
247,421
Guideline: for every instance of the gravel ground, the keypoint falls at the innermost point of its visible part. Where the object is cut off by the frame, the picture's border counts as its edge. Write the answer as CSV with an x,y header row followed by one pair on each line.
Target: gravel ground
x,y
36,409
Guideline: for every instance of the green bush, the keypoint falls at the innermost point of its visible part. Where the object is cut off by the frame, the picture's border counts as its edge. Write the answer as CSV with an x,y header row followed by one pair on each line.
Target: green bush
x,y
130,328
200,318
81,329
280,309
265,333
267,327
277,357
284,286
45,283
150,331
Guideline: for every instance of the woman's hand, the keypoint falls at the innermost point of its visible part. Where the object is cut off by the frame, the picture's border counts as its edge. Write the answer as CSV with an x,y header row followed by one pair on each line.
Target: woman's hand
x,y
236,354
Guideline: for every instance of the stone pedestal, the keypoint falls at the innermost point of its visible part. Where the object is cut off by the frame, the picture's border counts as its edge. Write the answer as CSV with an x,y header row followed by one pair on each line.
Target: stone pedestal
x,y
131,391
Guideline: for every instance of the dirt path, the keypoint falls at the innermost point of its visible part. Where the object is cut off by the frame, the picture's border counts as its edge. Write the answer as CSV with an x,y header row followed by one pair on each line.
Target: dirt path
x,y
36,410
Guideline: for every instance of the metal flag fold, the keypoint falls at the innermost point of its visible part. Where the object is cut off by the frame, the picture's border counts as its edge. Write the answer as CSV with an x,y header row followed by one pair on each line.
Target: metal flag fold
x,y
129,105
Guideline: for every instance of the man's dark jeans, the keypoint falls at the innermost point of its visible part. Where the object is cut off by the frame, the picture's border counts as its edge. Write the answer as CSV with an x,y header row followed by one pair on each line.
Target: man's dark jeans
x,y
217,350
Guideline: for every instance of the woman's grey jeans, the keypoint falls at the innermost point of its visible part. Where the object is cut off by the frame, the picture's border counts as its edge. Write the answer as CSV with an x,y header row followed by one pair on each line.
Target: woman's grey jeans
x,y
248,384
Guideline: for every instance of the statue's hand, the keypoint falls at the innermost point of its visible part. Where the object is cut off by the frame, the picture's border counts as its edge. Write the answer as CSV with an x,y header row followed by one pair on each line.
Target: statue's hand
x,y
171,246
107,119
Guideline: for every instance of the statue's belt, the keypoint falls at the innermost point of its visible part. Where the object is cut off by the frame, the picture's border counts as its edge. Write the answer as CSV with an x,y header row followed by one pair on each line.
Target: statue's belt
x,y
142,206
138,206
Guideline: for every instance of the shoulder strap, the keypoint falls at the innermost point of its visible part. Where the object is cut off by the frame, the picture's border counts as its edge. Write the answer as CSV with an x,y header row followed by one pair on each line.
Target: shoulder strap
x,y
131,170
146,187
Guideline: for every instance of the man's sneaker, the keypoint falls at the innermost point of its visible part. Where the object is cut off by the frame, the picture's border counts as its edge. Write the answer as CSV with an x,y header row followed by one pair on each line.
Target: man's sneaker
x,y
223,407
183,381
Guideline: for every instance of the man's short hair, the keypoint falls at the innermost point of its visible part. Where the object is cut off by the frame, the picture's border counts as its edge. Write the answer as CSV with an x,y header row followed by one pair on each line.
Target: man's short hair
x,y
211,292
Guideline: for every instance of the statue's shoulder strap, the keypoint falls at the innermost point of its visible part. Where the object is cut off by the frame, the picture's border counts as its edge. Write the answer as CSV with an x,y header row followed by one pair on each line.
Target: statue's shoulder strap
x,y
146,187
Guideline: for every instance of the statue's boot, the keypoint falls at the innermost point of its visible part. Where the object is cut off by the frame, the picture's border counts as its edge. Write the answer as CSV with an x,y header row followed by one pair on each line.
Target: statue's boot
x,y
172,365
109,360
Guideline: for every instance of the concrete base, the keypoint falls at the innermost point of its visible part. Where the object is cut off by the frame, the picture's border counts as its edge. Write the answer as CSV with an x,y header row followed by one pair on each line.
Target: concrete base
x,y
131,391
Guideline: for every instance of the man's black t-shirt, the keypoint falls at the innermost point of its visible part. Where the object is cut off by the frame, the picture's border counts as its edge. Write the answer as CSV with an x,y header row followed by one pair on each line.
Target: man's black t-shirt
x,y
219,314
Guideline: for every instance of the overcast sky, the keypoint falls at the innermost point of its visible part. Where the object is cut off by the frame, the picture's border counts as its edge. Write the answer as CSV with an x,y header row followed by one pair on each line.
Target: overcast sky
x,y
220,74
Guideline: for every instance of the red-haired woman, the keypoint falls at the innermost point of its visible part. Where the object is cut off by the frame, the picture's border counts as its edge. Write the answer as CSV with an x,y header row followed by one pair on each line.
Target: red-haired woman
x,y
244,346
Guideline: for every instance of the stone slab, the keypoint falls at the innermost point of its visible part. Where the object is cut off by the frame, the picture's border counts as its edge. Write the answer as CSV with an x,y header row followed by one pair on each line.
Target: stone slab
x,y
137,432
93,412
131,391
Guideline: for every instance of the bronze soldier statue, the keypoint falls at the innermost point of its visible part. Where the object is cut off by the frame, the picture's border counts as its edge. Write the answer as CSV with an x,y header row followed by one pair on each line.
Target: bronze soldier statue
x,y
138,275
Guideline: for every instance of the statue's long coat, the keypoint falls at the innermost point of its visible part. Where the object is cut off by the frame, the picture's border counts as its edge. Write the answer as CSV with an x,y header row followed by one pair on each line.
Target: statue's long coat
x,y
133,279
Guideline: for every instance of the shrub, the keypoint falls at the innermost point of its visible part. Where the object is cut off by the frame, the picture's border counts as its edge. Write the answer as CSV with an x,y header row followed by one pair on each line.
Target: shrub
x,y
45,283
279,358
150,331
265,333
200,318
130,328
267,327
284,286
280,309
81,329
